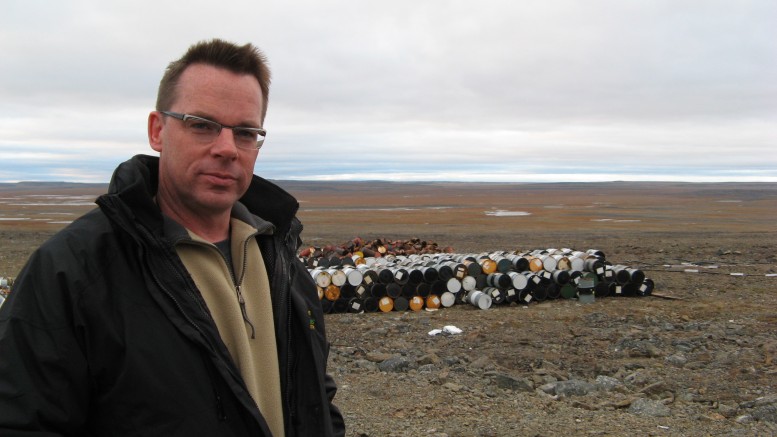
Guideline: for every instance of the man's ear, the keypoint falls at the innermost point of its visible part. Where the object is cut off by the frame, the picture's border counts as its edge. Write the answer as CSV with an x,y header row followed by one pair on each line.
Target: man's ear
x,y
155,126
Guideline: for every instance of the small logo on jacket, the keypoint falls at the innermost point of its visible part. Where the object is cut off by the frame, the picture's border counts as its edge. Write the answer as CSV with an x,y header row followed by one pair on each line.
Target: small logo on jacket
x,y
312,320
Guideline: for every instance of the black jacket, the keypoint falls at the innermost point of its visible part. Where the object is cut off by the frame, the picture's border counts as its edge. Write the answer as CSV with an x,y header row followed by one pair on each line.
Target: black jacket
x,y
106,334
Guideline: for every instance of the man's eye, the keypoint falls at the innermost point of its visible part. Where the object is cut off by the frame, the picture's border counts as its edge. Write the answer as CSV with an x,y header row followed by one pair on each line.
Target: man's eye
x,y
244,134
202,126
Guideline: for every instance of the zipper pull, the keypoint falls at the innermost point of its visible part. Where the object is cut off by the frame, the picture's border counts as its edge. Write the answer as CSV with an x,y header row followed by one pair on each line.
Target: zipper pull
x,y
243,310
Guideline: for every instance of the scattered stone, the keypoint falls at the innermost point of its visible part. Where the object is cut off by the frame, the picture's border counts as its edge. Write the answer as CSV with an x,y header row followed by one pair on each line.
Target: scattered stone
x,y
512,383
677,360
649,407
572,387
395,364
377,357
766,413
431,358
607,383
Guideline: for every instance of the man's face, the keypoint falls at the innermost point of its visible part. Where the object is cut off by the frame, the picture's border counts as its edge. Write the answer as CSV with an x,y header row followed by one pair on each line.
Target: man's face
x,y
205,179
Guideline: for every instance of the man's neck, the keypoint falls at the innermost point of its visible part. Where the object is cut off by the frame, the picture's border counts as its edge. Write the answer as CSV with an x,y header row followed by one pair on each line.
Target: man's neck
x,y
212,228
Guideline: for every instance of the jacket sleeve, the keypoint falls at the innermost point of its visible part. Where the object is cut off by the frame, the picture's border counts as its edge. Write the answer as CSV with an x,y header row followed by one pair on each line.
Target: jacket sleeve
x,y
43,379
338,423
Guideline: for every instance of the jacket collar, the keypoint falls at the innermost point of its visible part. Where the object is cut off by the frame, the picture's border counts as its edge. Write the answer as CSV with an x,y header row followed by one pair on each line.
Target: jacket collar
x,y
135,181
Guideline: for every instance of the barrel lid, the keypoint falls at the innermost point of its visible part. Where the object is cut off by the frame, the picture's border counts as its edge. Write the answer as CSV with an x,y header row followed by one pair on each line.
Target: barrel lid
x,y
448,299
433,301
386,304
416,303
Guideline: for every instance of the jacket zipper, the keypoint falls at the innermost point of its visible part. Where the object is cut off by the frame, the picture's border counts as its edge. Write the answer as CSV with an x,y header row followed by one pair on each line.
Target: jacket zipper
x,y
238,284
287,266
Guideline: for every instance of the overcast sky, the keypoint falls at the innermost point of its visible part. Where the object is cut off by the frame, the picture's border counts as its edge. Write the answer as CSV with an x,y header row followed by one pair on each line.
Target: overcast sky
x,y
412,90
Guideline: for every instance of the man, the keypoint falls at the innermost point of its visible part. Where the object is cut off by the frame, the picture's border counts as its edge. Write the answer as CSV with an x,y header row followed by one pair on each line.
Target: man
x,y
178,307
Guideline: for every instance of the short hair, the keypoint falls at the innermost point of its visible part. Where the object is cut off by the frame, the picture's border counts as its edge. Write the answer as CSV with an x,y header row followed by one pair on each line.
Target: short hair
x,y
246,59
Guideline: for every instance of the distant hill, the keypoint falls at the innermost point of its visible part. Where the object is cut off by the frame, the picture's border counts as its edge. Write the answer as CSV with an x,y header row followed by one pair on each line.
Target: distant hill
x,y
35,186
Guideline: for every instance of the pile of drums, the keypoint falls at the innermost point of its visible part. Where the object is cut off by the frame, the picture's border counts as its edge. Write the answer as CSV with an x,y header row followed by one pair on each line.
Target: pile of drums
x,y
357,283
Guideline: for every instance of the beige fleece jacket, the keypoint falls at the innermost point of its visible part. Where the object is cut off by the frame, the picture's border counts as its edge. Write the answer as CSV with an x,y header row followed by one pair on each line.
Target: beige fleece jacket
x,y
250,338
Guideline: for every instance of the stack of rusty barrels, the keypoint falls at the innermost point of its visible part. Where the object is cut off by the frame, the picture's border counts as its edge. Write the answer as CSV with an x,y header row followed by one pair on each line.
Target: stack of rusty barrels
x,y
359,283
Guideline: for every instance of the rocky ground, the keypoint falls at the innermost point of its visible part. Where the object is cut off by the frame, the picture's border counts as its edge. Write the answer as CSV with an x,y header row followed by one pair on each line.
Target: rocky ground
x,y
699,360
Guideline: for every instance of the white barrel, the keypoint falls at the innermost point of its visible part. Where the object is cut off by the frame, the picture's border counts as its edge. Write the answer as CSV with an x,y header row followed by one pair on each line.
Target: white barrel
x,y
479,299
323,278
338,277
519,281
468,283
353,276
548,262
448,299
453,285
576,264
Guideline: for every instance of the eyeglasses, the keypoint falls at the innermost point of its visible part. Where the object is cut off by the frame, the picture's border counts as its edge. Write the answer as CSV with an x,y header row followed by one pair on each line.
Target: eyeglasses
x,y
247,138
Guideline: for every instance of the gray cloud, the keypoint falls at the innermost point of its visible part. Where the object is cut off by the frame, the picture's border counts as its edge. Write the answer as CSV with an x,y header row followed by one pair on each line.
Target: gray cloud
x,y
662,88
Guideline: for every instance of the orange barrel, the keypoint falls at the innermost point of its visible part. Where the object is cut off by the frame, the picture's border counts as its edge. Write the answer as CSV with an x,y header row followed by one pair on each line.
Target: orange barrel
x,y
386,304
332,292
416,303
433,302
322,277
535,263
338,277
487,264
401,304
